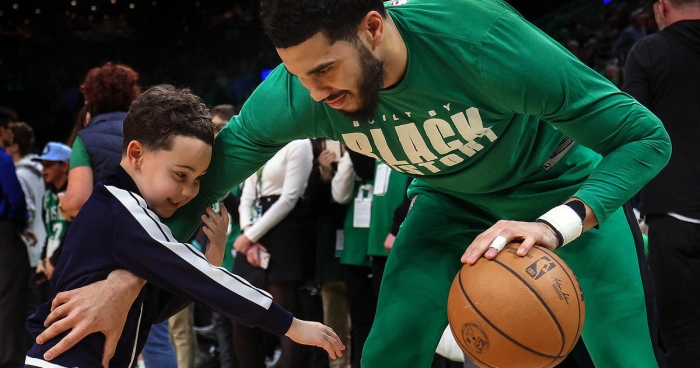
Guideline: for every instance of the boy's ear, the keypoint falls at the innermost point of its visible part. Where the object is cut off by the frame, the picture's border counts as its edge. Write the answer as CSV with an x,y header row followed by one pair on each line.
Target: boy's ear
x,y
134,154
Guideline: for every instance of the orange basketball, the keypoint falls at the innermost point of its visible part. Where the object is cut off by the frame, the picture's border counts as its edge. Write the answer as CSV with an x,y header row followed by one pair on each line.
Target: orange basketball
x,y
516,311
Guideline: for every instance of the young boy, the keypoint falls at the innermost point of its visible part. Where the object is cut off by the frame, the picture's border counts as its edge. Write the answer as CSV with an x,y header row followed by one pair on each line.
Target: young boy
x,y
167,148
55,160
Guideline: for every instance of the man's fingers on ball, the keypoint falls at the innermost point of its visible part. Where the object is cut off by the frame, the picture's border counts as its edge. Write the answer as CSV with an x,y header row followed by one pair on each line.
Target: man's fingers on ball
x,y
525,246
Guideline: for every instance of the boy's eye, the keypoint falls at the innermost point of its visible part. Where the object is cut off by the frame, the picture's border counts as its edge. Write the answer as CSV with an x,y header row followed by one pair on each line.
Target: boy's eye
x,y
323,71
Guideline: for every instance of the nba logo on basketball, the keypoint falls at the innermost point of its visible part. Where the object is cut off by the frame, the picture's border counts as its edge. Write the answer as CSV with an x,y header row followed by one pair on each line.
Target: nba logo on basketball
x,y
540,267
475,337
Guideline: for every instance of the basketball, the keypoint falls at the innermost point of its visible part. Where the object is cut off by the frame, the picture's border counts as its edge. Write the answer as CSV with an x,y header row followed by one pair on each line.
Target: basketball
x,y
516,311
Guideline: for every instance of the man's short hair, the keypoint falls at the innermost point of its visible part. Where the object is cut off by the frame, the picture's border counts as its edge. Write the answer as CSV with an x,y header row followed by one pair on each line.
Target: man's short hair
x,y
6,116
224,112
291,22
163,112
23,135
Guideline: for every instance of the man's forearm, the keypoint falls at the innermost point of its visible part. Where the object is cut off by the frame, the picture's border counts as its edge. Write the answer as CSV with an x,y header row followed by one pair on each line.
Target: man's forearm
x,y
126,280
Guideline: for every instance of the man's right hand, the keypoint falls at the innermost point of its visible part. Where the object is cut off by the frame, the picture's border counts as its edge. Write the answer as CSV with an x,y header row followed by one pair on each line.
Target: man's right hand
x,y
99,307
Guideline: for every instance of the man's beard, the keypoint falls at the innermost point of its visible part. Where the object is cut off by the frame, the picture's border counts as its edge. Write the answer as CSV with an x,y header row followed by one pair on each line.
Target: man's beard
x,y
373,73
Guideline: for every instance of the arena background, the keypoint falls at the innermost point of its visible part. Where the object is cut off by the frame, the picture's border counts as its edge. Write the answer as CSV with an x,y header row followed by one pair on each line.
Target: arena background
x,y
214,47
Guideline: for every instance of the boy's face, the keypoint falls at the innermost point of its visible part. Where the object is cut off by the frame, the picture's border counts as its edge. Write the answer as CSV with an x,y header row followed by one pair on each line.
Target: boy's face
x,y
55,172
169,179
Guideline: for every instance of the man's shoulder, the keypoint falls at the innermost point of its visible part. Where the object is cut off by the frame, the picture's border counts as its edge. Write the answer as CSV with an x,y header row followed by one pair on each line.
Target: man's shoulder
x,y
650,45
459,20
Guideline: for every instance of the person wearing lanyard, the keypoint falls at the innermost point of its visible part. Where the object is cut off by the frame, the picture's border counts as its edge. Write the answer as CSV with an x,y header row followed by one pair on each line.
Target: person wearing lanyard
x,y
268,252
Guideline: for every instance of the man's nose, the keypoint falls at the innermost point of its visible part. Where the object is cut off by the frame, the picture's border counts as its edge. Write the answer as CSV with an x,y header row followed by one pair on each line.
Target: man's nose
x,y
317,89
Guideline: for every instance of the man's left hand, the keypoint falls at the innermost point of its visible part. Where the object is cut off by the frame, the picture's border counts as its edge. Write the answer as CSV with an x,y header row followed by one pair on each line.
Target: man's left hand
x,y
528,233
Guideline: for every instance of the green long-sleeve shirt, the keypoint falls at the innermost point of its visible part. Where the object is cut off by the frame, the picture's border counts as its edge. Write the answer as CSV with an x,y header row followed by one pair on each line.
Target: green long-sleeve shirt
x,y
484,107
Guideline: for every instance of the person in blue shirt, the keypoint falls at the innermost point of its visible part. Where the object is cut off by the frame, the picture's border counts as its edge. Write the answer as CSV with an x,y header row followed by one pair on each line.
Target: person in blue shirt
x,y
167,147
14,260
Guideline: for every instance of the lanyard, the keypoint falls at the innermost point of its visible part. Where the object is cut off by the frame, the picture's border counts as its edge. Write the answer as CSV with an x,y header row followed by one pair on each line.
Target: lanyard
x,y
259,184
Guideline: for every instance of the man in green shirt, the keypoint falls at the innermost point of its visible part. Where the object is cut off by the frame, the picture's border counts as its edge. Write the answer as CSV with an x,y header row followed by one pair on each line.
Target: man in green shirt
x,y
498,124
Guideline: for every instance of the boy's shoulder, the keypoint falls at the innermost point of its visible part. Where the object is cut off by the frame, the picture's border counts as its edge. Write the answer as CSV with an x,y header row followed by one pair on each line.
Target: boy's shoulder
x,y
100,206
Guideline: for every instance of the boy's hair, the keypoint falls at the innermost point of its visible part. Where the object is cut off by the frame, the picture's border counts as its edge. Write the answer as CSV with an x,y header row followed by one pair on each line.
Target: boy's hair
x,y
163,112
291,22
23,136
225,112
110,88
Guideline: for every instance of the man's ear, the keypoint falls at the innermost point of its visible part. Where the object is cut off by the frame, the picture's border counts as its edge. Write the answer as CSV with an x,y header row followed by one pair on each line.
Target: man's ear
x,y
372,29
134,154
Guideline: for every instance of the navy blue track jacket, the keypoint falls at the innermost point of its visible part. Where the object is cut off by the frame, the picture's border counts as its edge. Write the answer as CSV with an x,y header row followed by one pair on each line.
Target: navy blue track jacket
x,y
116,230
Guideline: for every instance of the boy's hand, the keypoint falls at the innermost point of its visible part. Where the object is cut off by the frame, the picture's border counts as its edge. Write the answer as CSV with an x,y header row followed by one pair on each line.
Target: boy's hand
x,y
316,334
83,311
215,228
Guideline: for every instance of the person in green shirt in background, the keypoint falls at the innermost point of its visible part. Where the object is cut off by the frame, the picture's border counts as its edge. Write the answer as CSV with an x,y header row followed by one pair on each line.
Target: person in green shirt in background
x,y
498,124
55,160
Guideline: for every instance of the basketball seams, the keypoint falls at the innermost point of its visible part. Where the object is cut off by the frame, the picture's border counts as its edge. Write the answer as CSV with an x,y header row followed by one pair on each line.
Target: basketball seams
x,y
539,297
464,292
573,282
464,348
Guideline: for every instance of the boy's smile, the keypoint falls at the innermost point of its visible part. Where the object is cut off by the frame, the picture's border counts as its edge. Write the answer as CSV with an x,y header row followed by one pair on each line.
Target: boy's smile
x,y
168,179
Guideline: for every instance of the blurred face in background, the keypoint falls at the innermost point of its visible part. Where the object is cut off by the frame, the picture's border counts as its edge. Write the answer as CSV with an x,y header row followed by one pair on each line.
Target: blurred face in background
x,y
6,137
218,123
55,172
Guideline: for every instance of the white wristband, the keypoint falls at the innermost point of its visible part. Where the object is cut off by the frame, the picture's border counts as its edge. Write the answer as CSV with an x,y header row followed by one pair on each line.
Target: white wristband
x,y
564,220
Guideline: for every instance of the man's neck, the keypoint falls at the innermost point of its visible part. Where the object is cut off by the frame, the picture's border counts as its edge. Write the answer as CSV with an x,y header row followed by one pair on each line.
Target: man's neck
x,y
395,56
686,13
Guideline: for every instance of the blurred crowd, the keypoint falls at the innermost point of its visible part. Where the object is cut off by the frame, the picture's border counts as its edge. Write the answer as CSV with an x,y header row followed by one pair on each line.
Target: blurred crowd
x,y
601,35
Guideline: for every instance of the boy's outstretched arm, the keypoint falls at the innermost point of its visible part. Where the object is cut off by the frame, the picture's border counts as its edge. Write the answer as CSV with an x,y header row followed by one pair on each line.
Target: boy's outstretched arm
x,y
316,334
